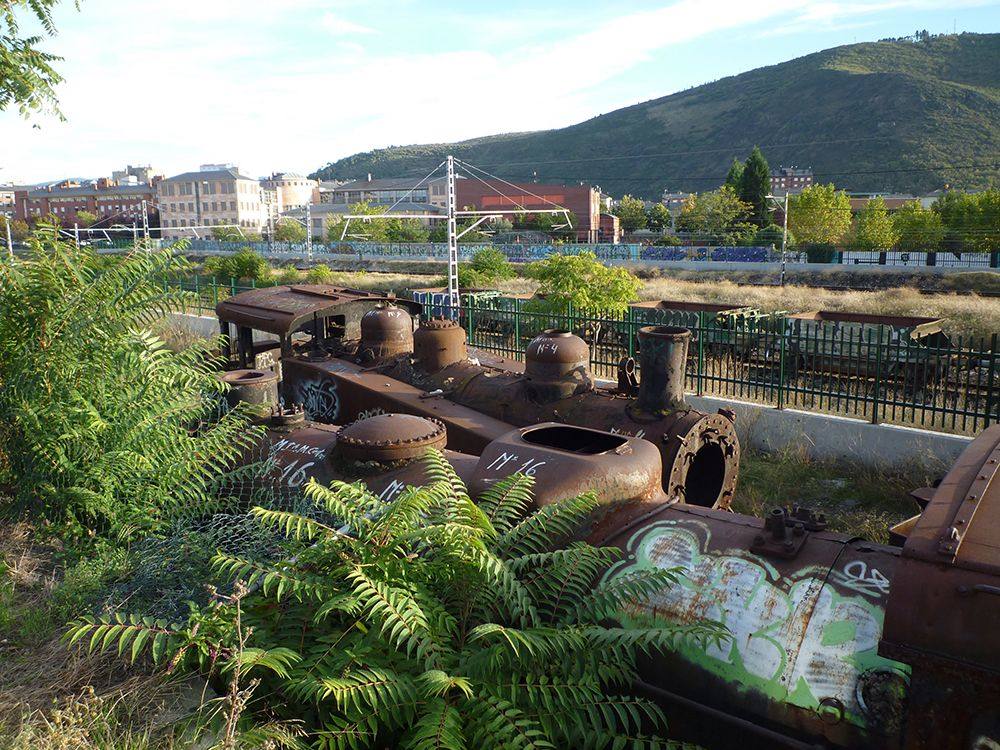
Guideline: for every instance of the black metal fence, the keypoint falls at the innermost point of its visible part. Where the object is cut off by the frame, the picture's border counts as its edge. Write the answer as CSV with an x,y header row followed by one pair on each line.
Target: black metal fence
x,y
875,372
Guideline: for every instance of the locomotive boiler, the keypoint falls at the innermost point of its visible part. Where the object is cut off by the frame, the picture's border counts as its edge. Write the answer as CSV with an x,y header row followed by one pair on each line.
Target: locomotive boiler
x,y
344,353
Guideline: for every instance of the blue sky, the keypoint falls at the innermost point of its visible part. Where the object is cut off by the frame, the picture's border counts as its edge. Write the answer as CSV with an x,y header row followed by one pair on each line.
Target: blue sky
x,y
287,85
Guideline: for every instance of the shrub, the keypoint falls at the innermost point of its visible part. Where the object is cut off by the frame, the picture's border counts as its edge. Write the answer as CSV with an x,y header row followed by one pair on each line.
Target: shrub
x,y
98,412
243,264
320,274
584,282
427,621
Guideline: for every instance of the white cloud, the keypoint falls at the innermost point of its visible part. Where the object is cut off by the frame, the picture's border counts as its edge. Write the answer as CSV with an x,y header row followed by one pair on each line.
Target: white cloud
x,y
261,84
342,27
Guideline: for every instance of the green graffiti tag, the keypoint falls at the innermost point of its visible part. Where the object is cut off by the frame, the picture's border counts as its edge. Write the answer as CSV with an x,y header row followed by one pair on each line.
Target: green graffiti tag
x,y
794,638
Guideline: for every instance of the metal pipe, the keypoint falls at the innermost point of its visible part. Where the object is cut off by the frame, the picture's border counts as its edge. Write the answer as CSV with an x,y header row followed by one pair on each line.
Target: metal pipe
x,y
663,356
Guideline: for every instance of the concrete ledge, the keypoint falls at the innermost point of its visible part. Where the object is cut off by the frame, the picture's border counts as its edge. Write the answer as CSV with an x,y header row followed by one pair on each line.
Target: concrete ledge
x,y
836,438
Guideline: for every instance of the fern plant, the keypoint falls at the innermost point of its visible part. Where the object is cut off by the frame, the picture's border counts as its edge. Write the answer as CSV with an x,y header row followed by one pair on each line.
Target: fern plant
x,y
429,622
99,416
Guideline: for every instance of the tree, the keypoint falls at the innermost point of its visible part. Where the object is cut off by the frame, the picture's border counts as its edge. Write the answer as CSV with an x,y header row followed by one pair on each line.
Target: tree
x,y
19,230
819,215
918,228
407,230
658,217
631,212
27,77
289,230
583,281
755,186
428,621
98,412
440,233
971,220
361,230
717,216
873,228
86,218
488,266
735,175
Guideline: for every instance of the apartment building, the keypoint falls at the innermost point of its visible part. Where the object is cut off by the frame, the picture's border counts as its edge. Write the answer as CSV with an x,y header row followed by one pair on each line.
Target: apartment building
x,y
790,180
193,202
110,202
387,191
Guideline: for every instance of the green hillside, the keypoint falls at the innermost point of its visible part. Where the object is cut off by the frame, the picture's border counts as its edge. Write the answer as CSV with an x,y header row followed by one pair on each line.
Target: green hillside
x,y
865,116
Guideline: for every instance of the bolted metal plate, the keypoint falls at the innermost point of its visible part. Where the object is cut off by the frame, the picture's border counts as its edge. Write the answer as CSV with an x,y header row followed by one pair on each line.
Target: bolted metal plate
x,y
390,437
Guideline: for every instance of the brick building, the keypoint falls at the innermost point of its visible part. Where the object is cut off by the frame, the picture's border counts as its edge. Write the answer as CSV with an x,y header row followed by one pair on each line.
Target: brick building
x,y
584,201
111,203
790,180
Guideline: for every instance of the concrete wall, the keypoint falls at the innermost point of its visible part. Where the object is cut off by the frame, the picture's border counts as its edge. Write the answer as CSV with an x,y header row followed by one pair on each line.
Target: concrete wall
x,y
836,438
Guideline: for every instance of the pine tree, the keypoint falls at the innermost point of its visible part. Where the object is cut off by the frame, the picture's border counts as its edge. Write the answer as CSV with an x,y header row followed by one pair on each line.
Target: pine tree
x,y
755,185
735,175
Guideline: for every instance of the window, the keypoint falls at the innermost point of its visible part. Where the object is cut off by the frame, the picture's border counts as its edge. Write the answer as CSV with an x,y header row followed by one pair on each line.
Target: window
x,y
204,205
232,205
213,206
191,208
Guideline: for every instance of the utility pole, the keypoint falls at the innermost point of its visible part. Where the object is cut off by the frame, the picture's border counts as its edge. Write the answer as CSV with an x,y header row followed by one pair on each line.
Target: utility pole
x,y
309,233
145,225
784,238
453,300
76,234
10,241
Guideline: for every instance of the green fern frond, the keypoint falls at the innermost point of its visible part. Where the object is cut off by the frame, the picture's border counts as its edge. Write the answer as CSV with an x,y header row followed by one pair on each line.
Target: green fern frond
x,y
439,727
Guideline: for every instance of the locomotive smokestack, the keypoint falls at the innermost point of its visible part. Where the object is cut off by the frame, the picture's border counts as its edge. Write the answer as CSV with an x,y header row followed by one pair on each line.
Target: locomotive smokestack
x,y
663,351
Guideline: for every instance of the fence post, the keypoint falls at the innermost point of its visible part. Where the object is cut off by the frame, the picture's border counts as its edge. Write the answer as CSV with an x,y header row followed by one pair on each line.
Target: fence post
x,y
517,323
701,351
215,293
630,330
470,307
781,363
991,390
232,286
876,393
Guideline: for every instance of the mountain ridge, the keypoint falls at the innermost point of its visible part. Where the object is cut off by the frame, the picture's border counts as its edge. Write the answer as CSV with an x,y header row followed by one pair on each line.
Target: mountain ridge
x,y
890,116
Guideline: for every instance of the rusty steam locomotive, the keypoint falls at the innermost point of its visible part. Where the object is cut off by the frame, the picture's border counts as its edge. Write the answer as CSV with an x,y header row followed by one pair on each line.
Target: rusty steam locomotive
x,y
835,642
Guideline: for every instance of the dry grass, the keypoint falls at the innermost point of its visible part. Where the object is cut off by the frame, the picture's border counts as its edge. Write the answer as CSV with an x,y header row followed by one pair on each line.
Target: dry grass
x,y
857,500
964,315
58,698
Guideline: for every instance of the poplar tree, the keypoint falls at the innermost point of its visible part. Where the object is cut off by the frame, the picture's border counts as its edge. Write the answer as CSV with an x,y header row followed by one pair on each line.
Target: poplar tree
x,y
755,185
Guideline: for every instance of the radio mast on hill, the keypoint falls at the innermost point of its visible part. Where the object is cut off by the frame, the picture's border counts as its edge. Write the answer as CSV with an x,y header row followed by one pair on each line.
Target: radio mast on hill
x,y
453,213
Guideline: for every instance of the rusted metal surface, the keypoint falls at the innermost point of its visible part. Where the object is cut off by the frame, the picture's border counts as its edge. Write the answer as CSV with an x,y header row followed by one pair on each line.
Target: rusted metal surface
x,y
946,603
556,365
804,631
567,461
664,356
256,387
390,437
699,452
437,343
339,391
386,330
327,314
283,309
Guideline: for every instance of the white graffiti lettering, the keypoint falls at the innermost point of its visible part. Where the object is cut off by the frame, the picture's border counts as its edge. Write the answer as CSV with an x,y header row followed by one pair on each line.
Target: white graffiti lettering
x,y
858,576
528,467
